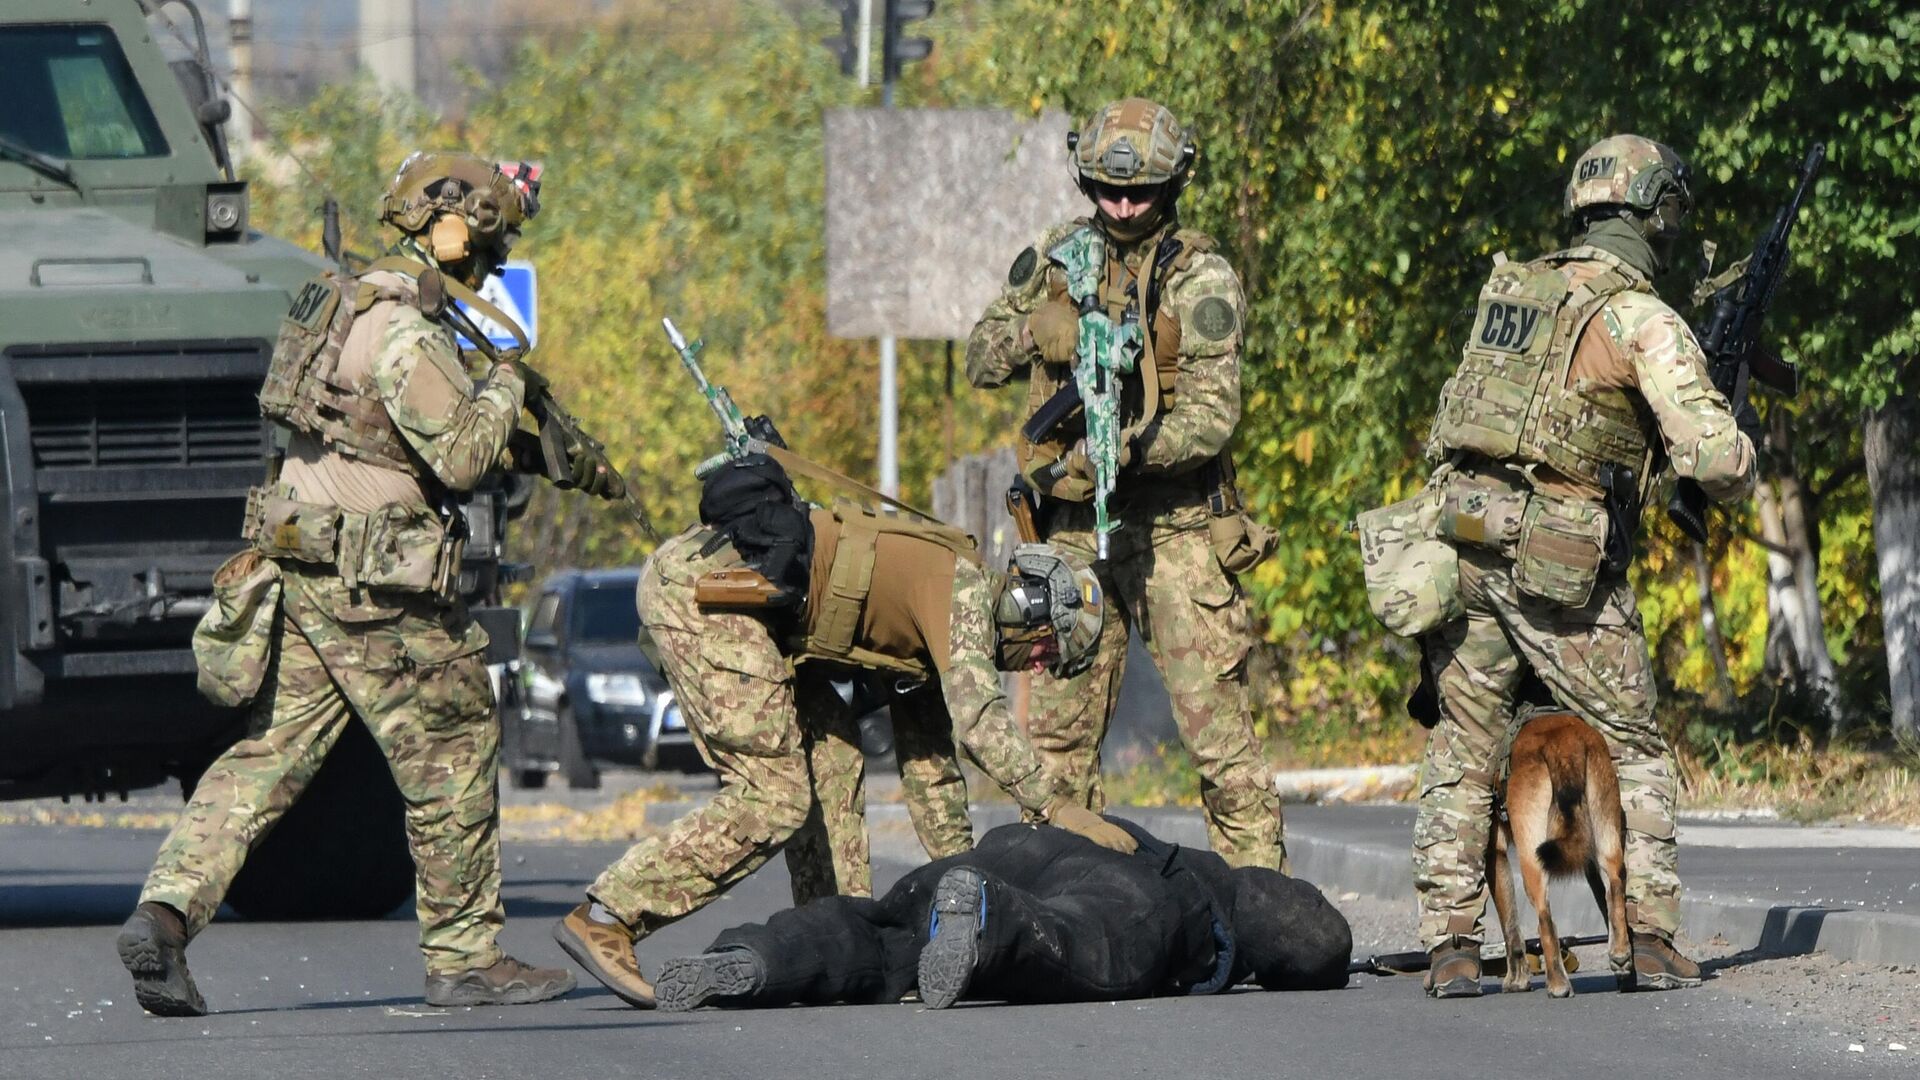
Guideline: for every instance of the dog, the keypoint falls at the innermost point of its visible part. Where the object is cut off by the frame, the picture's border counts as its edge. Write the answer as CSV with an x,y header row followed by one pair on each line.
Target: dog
x,y
1559,809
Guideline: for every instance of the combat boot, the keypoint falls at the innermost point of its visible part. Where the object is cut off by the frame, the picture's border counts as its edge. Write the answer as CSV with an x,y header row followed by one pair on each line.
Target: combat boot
x,y
691,981
507,982
605,950
953,936
153,946
1453,969
1657,965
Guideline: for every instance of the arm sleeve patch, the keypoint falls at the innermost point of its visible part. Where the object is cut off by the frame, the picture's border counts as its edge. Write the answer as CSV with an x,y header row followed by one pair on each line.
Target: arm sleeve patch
x,y
1214,318
1023,266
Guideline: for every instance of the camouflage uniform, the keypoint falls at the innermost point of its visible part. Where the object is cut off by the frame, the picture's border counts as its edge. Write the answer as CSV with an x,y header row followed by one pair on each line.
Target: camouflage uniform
x,y
1573,364
1162,568
787,753
405,662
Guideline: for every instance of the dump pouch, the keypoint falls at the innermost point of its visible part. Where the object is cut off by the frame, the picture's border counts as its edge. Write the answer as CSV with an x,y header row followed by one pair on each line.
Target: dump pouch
x,y
1562,543
1413,576
233,642
1239,542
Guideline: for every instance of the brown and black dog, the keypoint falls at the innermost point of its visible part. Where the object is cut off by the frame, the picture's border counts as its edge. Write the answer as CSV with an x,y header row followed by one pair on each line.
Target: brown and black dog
x,y
1561,804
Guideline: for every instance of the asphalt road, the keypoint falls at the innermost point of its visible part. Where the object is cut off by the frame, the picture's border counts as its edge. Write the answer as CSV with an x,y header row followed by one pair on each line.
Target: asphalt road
x,y
342,1000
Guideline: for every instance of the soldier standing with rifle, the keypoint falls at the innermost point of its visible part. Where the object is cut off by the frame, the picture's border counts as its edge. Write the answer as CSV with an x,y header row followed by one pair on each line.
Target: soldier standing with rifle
x,y
1575,382
1128,330
344,607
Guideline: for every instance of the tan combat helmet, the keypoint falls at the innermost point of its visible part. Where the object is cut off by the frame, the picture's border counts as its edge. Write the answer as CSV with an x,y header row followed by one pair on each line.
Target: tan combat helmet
x,y
1129,143
1629,171
1048,591
462,202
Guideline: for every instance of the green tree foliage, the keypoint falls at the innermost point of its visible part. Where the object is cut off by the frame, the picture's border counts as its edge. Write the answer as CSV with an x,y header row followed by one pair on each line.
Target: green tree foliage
x,y
1360,162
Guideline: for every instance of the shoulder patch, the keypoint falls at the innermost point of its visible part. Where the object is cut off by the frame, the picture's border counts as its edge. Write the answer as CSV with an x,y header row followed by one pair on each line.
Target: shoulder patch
x,y
1213,318
1022,270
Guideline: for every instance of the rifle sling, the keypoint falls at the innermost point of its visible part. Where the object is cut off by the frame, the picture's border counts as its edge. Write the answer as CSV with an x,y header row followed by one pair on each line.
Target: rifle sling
x,y
796,464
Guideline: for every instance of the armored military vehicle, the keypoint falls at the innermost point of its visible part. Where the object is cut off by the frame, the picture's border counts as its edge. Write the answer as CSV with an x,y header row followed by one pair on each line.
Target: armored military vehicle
x,y
137,311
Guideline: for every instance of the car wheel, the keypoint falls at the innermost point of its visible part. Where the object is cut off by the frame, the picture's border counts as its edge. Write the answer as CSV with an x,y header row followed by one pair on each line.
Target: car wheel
x,y
574,763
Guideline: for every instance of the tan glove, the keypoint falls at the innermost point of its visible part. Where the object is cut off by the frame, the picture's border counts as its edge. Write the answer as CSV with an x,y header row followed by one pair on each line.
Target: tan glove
x,y
1064,813
1055,329
1077,465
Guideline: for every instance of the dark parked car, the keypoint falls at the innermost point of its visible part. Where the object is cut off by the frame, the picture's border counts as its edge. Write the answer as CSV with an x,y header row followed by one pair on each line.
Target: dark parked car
x,y
588,693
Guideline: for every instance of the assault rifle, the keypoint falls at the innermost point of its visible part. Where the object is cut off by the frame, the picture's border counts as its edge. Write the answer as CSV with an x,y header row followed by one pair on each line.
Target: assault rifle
x,y
1731,336
560,431
745,434
1411,963
1106,351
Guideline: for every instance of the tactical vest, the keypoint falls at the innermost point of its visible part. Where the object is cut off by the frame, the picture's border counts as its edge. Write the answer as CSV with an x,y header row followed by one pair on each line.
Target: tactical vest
x,y
302,389
833,617
1510,399
1174,254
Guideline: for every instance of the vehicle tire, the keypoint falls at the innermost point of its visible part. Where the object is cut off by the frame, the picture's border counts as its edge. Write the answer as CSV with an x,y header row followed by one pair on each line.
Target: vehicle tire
x,y
579,770
513,756
341,850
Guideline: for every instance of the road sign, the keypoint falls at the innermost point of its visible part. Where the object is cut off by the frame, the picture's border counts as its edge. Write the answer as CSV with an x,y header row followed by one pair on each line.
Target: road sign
x,y
515,291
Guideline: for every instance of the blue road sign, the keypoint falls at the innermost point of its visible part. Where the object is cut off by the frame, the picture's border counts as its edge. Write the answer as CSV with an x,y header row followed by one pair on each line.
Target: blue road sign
x,y
515,291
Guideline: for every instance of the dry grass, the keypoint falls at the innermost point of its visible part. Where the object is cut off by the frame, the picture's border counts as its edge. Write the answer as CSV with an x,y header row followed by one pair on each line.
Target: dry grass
x,y
623,819
1804,782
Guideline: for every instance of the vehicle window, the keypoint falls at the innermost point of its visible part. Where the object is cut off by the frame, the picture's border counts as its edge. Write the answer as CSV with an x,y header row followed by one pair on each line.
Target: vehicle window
x,y
606,614
545,615
69,93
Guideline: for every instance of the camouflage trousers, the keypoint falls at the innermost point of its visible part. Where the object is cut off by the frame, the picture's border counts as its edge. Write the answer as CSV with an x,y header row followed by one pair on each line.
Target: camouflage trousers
x,y
783,783
965,711
1594,660
418,683
1162,579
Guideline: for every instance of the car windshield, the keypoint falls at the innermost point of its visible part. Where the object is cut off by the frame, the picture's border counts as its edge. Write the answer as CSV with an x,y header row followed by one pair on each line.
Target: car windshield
x,y
70,94
606,614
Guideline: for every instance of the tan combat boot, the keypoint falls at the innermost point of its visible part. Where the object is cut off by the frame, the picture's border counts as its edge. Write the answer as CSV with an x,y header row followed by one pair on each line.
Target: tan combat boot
x,y
1657,965
507,982
153,946
1454,969
605,949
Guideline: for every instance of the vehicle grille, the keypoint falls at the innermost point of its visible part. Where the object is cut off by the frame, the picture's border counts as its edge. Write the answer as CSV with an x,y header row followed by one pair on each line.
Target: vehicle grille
x,y
134,424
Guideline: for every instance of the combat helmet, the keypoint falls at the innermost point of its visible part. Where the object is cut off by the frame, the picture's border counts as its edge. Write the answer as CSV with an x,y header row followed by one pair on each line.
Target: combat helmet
x,y
1132,142
1048,591
461,202
1629,172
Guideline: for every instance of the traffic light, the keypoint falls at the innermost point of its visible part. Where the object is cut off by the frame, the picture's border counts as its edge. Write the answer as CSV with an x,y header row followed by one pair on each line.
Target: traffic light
x,y
898,49
847,45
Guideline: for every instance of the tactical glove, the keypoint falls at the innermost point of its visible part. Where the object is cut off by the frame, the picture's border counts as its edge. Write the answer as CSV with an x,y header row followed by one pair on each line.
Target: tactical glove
x,y
1064,813
523,453
1077,464
531,379
1055,329
589,470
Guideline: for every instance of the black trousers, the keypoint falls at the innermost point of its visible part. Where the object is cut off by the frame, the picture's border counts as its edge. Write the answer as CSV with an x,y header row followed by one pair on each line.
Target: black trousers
x,y
1067,920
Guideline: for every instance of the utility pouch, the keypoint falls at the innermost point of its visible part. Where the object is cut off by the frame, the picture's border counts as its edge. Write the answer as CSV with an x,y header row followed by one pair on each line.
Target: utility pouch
x,y
737,588
284,528
1482,515
403,549
1413,576
1239,542
1562,543
233,642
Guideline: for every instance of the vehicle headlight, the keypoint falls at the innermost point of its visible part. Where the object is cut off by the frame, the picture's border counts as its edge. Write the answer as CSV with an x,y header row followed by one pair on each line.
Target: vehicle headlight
x,y
617,689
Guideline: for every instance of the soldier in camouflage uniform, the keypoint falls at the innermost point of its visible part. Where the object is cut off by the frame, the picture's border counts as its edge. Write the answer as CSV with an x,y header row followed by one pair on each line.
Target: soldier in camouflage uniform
x,y
1574,378
1174,497
353,536
884,594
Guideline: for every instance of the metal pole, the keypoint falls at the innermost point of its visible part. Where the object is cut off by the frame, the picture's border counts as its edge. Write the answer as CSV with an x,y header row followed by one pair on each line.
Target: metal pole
x,y
889,421
889,390
387,40
240,45
865,51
